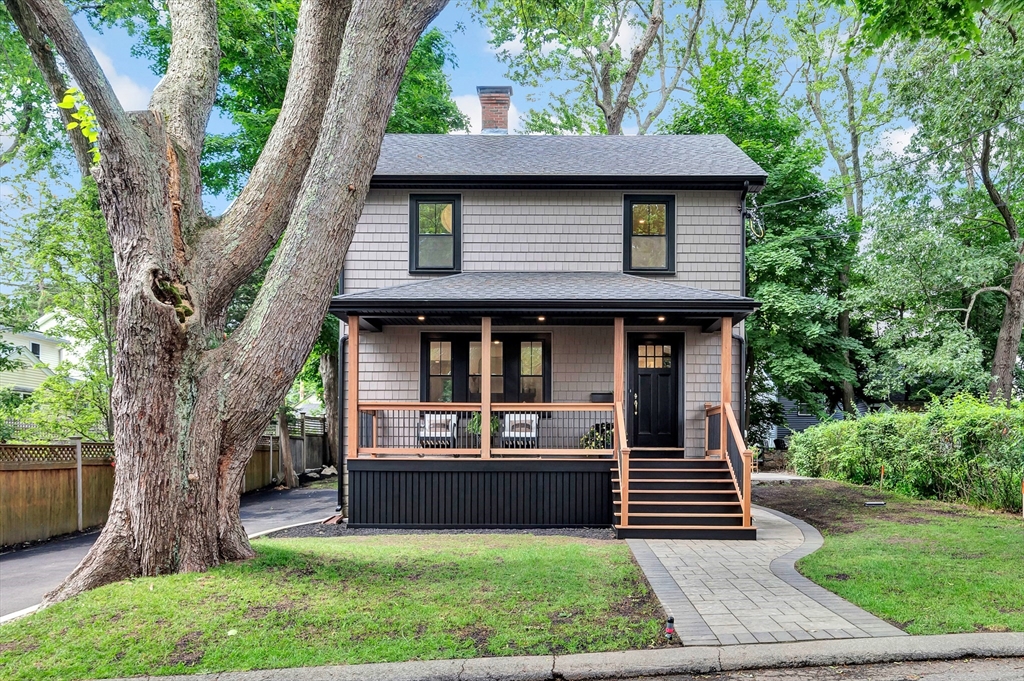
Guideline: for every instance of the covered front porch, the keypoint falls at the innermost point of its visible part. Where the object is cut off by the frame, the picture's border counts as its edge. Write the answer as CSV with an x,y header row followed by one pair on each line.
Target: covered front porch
x,y
533,393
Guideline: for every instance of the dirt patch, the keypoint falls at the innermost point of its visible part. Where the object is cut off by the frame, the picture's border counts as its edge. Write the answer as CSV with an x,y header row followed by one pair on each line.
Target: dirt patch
x,y
258,612
478,633
839,577
838,508
187,650
565,616
18,646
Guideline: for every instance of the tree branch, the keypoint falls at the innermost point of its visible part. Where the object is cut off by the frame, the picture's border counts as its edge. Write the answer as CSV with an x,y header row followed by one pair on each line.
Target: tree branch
x,y
256,219
636,61
990,187
974,298
186,93
56,22
379,37
46,62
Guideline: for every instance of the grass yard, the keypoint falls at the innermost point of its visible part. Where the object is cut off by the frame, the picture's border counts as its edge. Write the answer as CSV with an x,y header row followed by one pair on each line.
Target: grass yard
x,y
927,567
348,600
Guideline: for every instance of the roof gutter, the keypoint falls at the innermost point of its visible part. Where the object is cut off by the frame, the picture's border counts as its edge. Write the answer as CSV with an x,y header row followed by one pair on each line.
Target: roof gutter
x,y
645,183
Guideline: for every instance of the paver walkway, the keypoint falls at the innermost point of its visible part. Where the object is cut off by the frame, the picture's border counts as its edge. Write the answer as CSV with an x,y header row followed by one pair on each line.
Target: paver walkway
x,y
732,592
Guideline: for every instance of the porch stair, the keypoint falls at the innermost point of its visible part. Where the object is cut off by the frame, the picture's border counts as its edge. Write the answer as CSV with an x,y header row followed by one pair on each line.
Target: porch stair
x,y
670,497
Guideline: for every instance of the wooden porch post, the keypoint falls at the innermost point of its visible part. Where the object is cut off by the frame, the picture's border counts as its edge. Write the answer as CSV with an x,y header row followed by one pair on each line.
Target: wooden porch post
x,y
726,381
619,369
353,387
485,387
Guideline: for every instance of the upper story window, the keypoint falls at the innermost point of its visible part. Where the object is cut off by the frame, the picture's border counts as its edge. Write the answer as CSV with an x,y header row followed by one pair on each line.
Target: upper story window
x,y
36,350
435,233
649,228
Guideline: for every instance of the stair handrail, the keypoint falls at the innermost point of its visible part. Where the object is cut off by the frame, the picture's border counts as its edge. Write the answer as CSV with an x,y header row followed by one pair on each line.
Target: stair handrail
x,y
622,453
747,457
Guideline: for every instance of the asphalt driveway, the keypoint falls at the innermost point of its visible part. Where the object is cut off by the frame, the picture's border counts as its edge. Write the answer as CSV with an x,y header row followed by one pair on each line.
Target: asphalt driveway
x,y
28,574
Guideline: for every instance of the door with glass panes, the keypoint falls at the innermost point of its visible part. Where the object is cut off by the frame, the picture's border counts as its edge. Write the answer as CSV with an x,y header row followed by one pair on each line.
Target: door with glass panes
x,y
520,368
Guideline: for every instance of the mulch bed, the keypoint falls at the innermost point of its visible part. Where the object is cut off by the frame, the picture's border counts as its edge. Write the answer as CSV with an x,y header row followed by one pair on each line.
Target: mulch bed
x,y
318,530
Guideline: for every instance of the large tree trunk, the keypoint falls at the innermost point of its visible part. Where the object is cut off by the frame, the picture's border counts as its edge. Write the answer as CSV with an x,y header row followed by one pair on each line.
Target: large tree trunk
x,y
188,402
329,377
1007,354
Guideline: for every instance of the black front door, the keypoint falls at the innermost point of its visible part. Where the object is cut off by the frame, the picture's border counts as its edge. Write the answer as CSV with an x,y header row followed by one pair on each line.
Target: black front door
x,y
654,391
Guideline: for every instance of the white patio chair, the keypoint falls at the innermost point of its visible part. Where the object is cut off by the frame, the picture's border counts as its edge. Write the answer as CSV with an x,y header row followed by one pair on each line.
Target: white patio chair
x,y
438,430
520,431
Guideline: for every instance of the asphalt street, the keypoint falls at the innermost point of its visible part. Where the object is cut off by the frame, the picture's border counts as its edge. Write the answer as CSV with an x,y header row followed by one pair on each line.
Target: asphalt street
x,y
25,575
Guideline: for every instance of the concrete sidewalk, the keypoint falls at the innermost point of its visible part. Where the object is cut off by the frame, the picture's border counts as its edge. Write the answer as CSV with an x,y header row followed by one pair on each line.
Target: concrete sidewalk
x,y
28,574
645,663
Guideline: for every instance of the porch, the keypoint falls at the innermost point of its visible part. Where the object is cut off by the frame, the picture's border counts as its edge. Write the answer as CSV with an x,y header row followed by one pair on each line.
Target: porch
x,y
625,457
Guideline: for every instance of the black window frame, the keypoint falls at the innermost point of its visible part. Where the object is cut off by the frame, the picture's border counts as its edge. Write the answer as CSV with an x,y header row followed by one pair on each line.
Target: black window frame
x,y
36,349
460,364
628,201
414,243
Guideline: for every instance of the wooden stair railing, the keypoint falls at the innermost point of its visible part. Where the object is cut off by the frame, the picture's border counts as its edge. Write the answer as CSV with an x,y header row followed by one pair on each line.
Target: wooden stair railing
x,y
622,454
734,450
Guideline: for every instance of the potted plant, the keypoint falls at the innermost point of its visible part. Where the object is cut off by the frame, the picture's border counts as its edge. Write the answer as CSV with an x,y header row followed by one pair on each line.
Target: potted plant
x,y
475,423
600,436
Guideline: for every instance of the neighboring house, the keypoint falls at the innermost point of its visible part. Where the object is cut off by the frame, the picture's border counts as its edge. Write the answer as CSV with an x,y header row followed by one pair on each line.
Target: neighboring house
x,y
37,354
800,417
537,321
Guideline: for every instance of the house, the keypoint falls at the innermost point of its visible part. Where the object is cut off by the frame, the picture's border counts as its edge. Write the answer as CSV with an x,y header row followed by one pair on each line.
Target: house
x,y
548,331
36,353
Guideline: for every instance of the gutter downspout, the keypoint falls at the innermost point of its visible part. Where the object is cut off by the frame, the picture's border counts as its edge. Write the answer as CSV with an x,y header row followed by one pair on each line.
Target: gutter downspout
x,y
743,235
342,389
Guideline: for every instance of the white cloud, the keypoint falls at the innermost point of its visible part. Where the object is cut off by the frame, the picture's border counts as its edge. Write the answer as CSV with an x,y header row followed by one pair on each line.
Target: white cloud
x,y
896,141
470,105
133,97
627,37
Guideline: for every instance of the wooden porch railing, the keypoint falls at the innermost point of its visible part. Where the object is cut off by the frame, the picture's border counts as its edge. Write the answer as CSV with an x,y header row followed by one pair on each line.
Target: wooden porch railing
x,y
443,429
734,450
622,454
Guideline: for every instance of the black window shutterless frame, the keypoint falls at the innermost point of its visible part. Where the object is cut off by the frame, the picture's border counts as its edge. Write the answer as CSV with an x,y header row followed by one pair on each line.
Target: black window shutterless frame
x,y
460,363
414,242
669,201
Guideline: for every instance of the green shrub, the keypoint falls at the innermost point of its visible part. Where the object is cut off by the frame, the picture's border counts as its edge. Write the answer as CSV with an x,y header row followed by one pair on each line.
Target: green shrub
x,y
961,450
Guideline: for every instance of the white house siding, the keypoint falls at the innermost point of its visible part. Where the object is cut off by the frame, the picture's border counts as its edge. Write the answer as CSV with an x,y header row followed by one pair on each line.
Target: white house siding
x,y
556,230
28,377
581,363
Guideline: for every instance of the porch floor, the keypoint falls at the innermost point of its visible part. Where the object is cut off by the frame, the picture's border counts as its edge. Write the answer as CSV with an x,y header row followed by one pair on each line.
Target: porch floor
x,y
733,592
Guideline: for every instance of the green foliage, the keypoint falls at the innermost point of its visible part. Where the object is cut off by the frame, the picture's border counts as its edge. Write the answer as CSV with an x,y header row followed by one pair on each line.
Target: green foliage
x,y
9,403
475,423
84,119
600,436
65,406
960,450
795,251
951,21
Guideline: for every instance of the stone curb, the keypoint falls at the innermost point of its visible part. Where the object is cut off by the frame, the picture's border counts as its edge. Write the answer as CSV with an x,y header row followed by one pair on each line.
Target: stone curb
x,y
660,662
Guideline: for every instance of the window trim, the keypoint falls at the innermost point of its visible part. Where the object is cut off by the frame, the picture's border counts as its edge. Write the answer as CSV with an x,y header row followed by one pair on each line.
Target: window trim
x,y
628,200
460,362
414,201
36,349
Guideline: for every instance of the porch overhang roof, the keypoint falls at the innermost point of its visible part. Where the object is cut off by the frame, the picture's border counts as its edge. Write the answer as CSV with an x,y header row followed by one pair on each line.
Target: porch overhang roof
x,y
570,295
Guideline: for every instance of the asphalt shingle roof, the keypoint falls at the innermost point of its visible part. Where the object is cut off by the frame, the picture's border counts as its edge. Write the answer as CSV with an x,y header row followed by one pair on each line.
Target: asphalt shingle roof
x,y
656,156
541,287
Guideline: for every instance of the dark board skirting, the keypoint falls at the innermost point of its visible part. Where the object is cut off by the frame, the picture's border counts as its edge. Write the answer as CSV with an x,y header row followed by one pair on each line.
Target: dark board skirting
x,y
474,493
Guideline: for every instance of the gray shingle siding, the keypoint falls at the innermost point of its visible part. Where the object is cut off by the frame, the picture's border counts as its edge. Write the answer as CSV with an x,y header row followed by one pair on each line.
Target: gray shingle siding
x,y
561,231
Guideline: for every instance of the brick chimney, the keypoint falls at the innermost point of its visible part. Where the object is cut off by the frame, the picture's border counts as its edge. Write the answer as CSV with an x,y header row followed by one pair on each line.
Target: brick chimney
x,y
494,103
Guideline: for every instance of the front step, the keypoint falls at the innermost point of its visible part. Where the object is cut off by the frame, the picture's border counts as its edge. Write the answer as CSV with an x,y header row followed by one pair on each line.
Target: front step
x,y
684,532
671,497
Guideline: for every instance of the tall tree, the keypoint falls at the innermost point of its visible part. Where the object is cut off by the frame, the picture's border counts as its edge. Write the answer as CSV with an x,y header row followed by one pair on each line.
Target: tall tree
x,y
189,401
845,96
796,251
969,117
618,57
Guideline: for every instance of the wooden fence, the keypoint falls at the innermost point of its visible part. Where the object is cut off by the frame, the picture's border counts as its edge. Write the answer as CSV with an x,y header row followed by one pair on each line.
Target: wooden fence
x,y
41,491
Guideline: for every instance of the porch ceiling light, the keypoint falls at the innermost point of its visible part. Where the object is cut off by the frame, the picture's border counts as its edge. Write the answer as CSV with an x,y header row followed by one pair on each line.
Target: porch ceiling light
x,y
661,319
421,318
541,318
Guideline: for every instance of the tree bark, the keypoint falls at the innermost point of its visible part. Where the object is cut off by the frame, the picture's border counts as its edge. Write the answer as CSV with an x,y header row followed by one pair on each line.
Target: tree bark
x,y
287,462
329,377
188,402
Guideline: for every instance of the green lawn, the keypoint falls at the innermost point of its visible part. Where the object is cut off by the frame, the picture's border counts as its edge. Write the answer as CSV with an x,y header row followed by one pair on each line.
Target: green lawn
x,y
348,600
927,567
